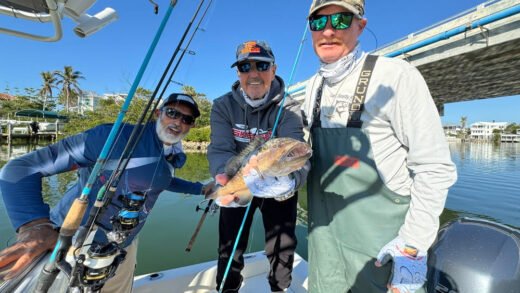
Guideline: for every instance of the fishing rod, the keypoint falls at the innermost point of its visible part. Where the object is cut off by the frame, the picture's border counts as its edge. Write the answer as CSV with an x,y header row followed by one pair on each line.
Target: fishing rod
x,y
104,193
199,225
170,78
76,212
107,194
127,219
237,239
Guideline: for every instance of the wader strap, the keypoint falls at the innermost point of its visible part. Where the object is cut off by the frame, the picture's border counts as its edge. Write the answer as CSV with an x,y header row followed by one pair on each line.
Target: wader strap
x,y
316,121
358,102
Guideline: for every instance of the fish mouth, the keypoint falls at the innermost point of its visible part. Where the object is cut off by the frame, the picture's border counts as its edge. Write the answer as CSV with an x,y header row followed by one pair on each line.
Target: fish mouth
x,y
298,152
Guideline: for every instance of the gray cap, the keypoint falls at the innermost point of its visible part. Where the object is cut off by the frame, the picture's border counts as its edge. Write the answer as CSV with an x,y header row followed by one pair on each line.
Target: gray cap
x,y
254,50
355,6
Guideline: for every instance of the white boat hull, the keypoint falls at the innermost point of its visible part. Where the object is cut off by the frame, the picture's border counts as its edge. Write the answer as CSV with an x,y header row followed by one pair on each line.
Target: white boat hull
x,y
200,278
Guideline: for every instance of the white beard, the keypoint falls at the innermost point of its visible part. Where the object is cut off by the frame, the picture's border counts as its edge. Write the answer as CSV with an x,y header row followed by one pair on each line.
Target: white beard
x,y
165,136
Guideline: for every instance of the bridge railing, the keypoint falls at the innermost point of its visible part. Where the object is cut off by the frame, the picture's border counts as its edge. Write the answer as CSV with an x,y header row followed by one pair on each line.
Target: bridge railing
x,y
485,9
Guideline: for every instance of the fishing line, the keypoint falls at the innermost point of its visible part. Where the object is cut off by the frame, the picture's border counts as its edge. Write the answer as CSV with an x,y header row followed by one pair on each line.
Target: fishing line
x,y
272,135
106,194
151,113
208,19
78,208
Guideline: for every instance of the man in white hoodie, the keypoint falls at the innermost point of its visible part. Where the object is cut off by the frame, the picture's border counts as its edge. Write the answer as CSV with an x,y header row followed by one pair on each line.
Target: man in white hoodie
x,y
381,167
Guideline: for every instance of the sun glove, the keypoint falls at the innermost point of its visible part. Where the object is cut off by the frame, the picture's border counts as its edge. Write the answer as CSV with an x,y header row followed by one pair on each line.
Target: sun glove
x,y
268,186
230,205
409,265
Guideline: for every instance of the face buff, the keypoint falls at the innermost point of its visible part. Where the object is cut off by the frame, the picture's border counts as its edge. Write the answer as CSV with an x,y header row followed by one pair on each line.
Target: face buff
x,y
334,72
254,103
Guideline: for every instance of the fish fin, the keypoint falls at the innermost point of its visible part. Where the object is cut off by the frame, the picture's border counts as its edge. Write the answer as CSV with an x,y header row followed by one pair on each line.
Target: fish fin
x,y
235,163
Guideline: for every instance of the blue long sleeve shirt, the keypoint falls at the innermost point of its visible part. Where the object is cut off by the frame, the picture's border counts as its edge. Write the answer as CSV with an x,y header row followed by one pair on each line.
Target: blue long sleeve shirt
x,y
147,171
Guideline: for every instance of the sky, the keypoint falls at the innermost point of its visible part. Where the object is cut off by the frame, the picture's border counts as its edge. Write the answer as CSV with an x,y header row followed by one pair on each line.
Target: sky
x,y
110,59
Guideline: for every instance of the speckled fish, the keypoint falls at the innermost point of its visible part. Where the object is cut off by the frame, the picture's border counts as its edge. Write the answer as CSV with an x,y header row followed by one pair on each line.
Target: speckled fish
x,y
276,157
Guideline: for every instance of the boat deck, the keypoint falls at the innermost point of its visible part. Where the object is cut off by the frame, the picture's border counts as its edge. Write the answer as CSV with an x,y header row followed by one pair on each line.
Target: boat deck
x,y
200,278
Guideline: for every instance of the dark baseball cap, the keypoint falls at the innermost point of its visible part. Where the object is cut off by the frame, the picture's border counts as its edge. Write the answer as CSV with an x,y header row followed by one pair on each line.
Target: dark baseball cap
x,y
254,50
183,99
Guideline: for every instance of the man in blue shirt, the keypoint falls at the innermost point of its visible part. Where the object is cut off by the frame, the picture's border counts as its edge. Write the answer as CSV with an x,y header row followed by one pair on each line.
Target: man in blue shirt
x,y
151,170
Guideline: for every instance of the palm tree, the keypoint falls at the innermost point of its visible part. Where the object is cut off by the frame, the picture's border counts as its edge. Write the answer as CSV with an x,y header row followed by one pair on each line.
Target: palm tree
x,y
463,121
49,81
69,81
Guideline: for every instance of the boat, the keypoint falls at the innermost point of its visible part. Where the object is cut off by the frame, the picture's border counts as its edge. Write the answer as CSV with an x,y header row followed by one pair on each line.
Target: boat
x,y
469,255
200,278
50,11
197,278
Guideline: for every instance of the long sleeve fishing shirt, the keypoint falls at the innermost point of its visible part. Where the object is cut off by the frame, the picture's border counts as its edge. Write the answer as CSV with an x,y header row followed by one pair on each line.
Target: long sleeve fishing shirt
x,y
405,134
147,171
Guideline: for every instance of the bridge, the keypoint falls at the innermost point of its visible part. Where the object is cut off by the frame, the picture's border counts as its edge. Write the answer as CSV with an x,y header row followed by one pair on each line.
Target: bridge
x,y
473,55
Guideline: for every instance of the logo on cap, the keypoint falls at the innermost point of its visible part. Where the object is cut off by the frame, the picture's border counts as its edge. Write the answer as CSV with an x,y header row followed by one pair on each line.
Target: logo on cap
x,y
250,47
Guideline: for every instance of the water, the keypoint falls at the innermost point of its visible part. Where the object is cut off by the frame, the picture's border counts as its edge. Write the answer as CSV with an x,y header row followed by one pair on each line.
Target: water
x,y
488,182
489,177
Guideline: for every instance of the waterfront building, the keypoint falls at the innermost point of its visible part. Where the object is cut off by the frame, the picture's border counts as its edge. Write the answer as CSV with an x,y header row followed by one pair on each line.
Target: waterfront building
x,y
87,101
484,130
509,137
451,130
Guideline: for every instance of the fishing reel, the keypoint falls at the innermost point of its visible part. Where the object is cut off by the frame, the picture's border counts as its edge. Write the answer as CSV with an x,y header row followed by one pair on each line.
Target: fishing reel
x,y
212,209
128,217
98,265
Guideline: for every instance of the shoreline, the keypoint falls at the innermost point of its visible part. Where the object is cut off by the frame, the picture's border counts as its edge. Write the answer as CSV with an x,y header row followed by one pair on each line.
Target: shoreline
x,y
195,147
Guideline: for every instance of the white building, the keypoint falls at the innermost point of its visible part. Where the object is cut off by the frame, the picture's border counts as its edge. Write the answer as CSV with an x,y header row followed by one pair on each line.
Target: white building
x,y
87,101
117,97
484,130
451,130
508,137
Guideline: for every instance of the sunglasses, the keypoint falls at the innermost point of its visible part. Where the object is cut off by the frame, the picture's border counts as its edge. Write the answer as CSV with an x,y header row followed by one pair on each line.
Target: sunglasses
x,y
261,66
174,114
338,21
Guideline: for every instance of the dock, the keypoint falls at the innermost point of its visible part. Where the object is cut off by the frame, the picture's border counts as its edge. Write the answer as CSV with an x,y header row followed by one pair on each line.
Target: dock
x,y
29,130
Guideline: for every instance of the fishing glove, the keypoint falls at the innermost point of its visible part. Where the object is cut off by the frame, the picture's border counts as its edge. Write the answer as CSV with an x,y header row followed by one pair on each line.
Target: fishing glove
x,y
229,205
269,186
409,265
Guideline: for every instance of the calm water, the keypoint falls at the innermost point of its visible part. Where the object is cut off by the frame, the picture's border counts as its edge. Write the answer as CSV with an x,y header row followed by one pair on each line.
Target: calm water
x,y
488,187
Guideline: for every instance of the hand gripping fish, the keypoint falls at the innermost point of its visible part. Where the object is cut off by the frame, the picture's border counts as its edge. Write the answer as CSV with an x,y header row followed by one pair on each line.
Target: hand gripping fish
x,y
276,157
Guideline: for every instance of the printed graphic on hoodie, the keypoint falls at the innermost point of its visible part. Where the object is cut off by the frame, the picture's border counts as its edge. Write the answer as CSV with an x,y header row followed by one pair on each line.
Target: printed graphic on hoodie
x,y
243,133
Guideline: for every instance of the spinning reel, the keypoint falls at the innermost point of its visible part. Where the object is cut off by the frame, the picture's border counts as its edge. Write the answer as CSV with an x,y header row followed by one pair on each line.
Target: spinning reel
x,y
128,217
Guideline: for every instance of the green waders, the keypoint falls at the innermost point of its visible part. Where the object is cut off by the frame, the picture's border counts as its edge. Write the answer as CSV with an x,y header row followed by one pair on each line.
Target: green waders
x,y
352,214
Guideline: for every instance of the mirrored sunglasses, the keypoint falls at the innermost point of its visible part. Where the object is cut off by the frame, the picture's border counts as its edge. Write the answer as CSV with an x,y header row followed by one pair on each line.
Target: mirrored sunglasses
x,y
338,21
261,66
174,114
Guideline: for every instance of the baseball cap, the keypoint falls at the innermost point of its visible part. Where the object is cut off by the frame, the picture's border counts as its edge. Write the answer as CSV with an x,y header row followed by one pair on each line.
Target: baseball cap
x,y
183,99
254,50
355,6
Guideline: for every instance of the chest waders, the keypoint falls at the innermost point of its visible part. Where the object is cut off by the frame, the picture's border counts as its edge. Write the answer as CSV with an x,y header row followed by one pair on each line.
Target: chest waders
x,y
352,214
